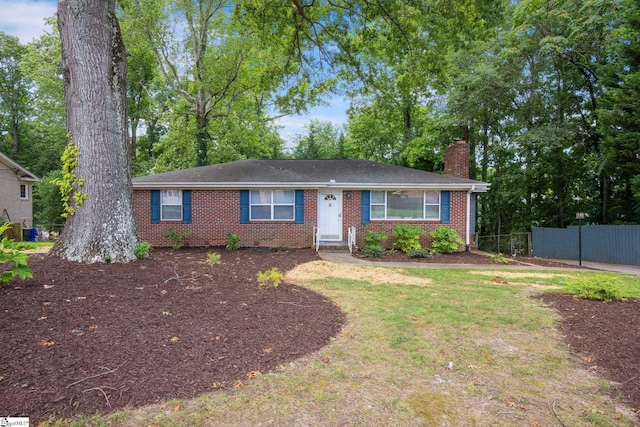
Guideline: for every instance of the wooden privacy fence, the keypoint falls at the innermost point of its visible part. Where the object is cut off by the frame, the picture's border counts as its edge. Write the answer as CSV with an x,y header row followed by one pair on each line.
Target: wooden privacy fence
x,y
617,244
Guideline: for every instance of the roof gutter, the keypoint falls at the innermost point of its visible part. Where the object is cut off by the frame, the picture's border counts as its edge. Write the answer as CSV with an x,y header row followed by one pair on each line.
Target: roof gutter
x,y
311,185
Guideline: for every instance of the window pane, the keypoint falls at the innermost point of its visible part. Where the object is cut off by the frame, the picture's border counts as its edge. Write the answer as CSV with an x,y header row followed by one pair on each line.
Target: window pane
x,y
377,197
260,212
283,197
377,212
405,205
432,212
171,212
172,197
262,197
432,197
283,212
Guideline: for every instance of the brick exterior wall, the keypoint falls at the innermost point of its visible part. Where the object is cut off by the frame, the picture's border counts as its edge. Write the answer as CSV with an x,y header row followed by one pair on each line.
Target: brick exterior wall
x,y
217,212
352,218
456,159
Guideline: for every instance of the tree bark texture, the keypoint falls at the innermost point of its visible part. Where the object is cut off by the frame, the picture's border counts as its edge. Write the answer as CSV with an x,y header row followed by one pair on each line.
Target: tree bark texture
x,y
94,66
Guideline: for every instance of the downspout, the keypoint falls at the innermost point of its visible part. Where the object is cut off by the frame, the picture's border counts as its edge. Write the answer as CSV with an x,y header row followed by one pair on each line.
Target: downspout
x,y
468,233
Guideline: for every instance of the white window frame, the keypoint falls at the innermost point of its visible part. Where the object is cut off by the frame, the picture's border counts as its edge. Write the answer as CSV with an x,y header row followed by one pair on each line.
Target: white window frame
x,y
272,205
425,203
170,194
26,192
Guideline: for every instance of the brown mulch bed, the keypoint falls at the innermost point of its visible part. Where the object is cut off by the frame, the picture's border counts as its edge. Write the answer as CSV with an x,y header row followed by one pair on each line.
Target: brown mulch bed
x,y
606,336
80,338
473,258
85,338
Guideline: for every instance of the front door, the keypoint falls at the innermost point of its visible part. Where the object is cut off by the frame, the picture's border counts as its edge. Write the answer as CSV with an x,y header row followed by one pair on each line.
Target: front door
x,y
330,215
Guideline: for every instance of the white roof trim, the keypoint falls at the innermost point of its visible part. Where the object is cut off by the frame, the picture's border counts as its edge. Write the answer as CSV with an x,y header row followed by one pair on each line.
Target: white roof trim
x,y
475,187
28,176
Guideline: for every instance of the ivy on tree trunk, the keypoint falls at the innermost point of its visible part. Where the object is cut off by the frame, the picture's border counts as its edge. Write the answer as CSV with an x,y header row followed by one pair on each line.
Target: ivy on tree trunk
x,y
94,71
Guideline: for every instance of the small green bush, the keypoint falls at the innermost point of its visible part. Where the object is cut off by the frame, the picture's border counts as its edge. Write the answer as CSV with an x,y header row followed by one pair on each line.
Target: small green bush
x,y
10,253
373,244
419,253
597,287
233,241
213,258
142,249
177,239
373,251
407,237
373,238
445,240
270,278
498,258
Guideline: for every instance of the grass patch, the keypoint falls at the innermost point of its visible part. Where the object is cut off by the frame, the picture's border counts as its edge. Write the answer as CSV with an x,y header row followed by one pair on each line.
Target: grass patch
x,y
439,347
27,246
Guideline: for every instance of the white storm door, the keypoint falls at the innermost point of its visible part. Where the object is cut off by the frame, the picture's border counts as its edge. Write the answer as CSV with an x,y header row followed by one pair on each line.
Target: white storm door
x,y
330,215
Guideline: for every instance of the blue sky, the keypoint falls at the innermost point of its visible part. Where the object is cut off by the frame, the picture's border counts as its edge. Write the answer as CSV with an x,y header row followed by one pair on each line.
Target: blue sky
x,y
25,20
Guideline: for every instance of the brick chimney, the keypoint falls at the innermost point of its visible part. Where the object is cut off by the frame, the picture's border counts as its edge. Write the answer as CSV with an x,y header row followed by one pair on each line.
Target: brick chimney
x,y
456,159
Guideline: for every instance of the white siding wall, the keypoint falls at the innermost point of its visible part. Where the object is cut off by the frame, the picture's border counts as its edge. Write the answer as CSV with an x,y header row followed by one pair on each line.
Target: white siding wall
x,y
19,210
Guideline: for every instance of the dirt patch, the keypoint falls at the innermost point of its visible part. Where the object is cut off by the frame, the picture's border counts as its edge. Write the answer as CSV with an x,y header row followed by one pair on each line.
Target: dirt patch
x,y
606,337
373,275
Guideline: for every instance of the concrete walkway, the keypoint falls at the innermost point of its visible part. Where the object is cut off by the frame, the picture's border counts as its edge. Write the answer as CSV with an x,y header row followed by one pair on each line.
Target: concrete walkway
x,y
346,258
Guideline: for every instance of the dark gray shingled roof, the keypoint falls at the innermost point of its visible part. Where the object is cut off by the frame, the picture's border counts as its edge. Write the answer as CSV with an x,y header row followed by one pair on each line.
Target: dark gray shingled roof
x,y
340,173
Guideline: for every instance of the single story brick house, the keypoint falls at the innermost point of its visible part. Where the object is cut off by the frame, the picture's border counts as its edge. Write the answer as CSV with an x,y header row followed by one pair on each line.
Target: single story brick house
x,y
296,203
16,185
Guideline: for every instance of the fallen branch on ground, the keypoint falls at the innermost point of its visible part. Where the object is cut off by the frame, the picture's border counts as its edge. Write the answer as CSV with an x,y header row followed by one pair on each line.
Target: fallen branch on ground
x,y
109,371
102,391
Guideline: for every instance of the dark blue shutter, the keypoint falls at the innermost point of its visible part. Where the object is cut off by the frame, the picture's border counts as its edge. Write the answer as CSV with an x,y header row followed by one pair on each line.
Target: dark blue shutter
x,y
445,207
186,206
244,206
474,205
365,206
155,206
299,207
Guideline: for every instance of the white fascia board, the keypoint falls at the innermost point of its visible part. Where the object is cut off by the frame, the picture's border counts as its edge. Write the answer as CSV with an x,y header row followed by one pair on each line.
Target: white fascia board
x,y
224,185
476,187
27,176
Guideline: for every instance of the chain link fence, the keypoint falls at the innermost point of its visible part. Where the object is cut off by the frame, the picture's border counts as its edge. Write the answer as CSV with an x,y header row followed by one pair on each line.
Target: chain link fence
x,y
513,244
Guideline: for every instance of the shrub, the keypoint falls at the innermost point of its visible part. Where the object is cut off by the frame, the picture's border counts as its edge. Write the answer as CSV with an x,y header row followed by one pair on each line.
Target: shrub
x,y
270,278
177,239
233,241
213,258
373,251
407,237
498,258
419,253
142,249
373,244
373,238
10,253
445,240
597,287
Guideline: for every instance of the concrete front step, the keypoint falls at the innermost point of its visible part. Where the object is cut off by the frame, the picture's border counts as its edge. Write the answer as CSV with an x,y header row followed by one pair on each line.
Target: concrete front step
x,y
333,247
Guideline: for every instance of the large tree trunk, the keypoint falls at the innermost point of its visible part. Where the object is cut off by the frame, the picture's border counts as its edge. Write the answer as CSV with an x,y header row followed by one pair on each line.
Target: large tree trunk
x,y
94,66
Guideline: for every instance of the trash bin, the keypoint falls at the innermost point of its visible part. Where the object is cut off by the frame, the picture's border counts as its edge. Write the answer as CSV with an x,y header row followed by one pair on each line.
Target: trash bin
x,y
29,234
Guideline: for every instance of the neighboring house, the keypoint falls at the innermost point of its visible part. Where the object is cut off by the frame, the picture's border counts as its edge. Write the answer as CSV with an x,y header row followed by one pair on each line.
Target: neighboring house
x,y
286,203
16,185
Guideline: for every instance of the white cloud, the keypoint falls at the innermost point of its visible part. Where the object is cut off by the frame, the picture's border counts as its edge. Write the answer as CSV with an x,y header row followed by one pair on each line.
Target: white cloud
x,y
25,19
